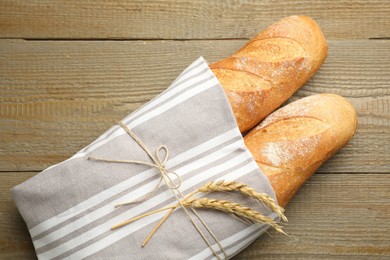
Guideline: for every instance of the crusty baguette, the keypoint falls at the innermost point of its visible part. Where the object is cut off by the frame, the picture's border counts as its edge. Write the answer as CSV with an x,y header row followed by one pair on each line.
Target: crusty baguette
x,y
292,143
270,68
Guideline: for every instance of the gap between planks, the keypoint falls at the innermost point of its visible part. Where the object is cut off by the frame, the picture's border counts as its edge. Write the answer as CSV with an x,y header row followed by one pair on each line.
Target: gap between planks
x,y
146,39
316,173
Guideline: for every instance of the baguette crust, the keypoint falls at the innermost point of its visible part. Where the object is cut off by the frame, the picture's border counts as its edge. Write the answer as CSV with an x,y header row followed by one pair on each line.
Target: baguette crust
x,y
293,142
270,68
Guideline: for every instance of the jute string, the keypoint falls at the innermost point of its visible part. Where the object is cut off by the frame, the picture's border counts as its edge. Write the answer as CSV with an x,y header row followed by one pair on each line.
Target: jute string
x,y
159,164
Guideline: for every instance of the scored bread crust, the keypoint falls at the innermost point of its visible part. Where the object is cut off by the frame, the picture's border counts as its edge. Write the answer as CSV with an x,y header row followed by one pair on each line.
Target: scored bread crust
x,y
293,142
270,68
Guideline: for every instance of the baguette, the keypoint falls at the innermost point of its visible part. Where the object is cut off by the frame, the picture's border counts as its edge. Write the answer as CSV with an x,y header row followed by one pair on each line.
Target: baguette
x,y
293,142
270,68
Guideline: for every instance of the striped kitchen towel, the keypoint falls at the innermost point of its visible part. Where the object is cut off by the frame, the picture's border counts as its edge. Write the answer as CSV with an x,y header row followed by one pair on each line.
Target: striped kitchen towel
x,y
69,207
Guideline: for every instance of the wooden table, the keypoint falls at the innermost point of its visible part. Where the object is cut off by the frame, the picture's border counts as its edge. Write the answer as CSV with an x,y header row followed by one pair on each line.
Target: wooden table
x,y
70,69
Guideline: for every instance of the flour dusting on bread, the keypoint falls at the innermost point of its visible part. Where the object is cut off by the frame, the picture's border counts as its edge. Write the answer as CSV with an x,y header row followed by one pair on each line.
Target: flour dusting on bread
x,y
271,67
293,142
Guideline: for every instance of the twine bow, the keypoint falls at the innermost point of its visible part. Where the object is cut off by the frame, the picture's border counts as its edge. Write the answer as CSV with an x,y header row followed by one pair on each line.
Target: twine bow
x,y
173,187
158,164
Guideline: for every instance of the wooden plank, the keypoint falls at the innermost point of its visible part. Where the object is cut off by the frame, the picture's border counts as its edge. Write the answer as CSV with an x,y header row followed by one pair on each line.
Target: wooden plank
x,y
56,97
185,19
15,241
332,216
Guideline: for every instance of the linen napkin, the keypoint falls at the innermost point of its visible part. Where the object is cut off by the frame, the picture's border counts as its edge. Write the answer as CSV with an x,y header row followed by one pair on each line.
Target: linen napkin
x,y
69,207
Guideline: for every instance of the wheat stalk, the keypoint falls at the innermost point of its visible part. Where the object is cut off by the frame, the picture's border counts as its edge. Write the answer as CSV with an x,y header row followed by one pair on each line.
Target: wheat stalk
x,y
232,208
229,207
218,186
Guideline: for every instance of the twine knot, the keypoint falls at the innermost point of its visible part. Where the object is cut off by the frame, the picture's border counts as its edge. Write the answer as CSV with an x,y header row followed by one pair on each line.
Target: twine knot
x,y
158,162
161,166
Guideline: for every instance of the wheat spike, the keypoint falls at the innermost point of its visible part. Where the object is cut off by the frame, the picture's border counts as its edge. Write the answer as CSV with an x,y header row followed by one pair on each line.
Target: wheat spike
x,y
232,208
245,190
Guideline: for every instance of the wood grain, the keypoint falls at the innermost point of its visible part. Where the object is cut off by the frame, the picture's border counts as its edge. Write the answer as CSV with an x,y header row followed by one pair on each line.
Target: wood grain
x,y
185,19
58,96
15,241
332,216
